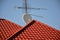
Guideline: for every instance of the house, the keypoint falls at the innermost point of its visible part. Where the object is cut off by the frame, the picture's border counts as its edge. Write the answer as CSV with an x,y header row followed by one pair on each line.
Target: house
x,y
34,30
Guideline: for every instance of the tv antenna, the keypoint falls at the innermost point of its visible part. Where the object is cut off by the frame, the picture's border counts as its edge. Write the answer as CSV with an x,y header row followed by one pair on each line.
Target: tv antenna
x,y
27,17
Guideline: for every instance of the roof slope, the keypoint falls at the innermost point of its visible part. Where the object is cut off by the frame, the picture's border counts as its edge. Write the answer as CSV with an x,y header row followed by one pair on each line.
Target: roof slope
x,y
7,29
37,30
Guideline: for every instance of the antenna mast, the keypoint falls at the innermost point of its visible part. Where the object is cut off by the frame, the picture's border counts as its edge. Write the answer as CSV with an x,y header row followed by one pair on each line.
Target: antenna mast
x,y
25,6
27,17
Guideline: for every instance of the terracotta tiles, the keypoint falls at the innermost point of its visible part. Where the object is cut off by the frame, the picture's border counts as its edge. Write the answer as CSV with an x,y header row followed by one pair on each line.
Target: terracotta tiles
x,y
36,31
8,29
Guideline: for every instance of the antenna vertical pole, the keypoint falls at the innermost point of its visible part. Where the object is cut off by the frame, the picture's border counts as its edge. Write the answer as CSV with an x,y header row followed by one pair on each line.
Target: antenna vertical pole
x,y
25,6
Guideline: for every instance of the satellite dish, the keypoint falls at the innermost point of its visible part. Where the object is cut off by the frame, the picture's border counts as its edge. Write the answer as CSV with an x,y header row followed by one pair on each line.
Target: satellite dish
x,y
27,17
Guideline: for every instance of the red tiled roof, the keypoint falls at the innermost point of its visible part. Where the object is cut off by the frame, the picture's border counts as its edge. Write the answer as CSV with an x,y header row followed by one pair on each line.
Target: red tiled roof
x,y
8,29
36,31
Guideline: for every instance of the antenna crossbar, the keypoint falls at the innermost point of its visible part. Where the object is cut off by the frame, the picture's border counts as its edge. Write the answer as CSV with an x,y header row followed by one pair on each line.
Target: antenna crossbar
x,y
32,8
26,7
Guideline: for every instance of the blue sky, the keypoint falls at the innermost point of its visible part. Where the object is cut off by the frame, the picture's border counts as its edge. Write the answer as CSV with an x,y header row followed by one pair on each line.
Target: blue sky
x,y
51,16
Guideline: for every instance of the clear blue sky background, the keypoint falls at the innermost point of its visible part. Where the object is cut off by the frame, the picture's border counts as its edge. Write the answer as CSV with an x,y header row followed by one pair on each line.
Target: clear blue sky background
x,y
51,16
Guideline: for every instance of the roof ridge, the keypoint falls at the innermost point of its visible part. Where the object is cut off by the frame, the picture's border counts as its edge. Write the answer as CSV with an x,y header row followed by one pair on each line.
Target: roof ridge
x,y
19,32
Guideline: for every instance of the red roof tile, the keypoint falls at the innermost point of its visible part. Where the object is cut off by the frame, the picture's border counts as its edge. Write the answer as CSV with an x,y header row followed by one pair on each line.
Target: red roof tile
x,y
8,29
37,31
34,30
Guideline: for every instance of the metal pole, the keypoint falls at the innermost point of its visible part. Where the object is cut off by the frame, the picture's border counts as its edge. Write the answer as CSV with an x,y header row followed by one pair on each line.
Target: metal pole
x,y
25,2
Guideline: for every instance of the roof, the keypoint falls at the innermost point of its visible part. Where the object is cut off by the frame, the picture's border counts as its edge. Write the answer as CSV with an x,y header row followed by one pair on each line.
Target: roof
x,y
8,29
36,30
